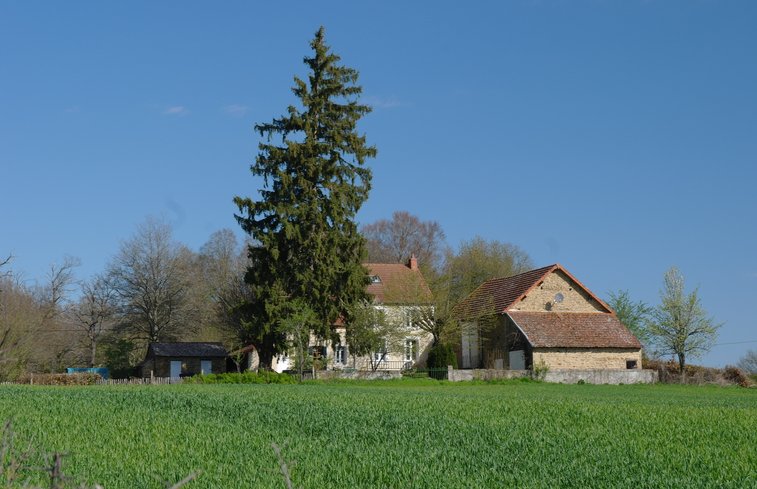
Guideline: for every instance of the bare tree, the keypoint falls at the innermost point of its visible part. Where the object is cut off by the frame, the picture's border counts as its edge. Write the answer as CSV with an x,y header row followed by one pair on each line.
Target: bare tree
x,y
54,346
680,326
748,362
3,263
94,313
395,240
151,279
54,294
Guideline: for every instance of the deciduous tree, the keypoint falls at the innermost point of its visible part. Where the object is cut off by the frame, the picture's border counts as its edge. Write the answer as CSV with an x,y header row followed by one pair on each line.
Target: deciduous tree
x,y
94,313
748,362
151,279
396,240
679,325
633,314
305,240
372,333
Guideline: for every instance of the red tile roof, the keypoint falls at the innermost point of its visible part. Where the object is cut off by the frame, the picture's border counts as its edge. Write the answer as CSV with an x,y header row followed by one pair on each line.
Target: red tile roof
x,y
573,330
399,284
495,295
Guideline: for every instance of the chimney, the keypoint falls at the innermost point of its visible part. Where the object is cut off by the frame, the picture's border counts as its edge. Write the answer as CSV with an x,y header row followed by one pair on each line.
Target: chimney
x,y
412,264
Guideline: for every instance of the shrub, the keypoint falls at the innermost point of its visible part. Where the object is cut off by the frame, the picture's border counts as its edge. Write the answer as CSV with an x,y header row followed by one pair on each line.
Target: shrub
x,y
59,379
441,356
736,376
262,377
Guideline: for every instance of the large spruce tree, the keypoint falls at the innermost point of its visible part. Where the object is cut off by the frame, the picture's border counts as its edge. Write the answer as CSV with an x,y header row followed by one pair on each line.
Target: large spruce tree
x,y
307,250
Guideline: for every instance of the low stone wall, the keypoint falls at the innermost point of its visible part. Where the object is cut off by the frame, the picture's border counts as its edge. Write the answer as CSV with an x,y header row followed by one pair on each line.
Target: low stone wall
x,y
561,376
456,375
358,374
631,376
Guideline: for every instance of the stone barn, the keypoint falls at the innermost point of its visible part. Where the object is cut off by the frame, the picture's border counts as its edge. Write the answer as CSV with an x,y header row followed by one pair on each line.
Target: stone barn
x,y
544,317
183,359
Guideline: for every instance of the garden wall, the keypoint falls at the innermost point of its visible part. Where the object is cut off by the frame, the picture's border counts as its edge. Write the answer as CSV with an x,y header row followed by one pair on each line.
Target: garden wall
x,y
563,376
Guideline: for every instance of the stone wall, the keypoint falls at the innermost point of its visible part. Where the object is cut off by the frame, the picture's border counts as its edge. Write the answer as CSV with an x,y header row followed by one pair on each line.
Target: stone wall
x,y
457,375
358,374
596,376
586,358
602,376
542,297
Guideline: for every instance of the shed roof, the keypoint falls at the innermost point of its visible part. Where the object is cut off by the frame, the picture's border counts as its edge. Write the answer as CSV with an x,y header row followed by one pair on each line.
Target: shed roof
x,y
187,349
573,330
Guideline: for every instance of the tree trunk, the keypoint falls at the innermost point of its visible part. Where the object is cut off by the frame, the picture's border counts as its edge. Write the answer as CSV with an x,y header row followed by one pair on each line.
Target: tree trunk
x,y
682,366
94,354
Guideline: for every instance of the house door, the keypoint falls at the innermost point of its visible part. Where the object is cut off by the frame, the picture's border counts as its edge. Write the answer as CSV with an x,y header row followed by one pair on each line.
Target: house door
x,y
175,369
206,367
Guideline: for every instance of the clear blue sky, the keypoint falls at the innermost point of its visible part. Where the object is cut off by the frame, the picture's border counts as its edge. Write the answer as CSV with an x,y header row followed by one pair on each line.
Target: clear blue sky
x,y
615,137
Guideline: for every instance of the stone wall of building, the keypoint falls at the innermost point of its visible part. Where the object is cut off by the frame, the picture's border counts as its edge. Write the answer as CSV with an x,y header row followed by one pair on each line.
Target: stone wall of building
x,y
586,358
574,297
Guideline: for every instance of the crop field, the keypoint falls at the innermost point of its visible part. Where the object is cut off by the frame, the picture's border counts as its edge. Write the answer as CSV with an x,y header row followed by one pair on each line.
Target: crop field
x,y
395,434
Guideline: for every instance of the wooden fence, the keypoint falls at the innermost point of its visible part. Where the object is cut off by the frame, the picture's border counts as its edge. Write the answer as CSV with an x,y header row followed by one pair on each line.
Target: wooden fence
x,y
145,381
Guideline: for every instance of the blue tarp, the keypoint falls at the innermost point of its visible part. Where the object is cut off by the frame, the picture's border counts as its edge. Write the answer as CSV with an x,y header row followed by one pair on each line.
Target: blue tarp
x,y
100,370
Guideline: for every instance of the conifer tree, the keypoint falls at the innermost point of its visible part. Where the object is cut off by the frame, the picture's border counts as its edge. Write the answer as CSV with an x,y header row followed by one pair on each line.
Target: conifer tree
x,y
307,249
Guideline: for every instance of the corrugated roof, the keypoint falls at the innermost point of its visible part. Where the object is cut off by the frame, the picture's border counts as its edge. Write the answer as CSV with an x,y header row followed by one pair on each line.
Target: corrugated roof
x,y
495,295
399,284
573,330
188,349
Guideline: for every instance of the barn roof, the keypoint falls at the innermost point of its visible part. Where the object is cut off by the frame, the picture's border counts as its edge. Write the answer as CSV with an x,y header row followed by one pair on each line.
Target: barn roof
x,y
573,330
187,349
497,295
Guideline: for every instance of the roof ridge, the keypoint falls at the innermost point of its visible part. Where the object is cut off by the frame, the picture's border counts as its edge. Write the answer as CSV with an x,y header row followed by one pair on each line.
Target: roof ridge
x,y
508,277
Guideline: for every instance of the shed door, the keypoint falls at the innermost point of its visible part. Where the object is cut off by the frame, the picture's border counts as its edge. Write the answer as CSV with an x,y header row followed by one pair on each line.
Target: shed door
x,y
206,367
470,345
175,369
518,360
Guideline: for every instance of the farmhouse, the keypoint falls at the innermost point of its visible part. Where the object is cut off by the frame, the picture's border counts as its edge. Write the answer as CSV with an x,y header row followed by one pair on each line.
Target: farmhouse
x,y
183,359
401,292
544,317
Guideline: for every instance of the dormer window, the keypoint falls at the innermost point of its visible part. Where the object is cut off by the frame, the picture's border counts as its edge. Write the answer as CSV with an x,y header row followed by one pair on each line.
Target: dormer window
x,y
375,279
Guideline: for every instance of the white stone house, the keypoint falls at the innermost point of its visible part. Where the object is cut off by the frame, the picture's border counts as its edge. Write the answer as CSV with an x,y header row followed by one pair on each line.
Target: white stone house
x,y
542,317
401,292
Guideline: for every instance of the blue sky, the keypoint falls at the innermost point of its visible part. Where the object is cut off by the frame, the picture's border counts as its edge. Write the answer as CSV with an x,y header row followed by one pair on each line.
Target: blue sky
x,y
616,138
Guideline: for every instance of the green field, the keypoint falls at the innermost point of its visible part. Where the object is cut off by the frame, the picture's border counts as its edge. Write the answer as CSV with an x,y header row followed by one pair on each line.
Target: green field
x,y
394,434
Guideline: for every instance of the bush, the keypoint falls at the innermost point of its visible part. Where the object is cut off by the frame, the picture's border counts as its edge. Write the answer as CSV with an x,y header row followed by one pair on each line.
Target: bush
x,y
669,373
262,377
59,379
736,376
441,356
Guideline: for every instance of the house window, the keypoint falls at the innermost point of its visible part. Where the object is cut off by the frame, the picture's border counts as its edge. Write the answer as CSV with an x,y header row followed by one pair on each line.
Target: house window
x,y
317,352
411,350
631,364
375,279
340,354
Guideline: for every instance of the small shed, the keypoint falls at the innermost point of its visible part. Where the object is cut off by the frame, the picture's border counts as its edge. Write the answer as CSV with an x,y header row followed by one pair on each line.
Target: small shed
x,y
184,359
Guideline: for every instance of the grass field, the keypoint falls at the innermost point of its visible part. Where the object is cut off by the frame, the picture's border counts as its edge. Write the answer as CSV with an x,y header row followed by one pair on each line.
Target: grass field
x,y
394,434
